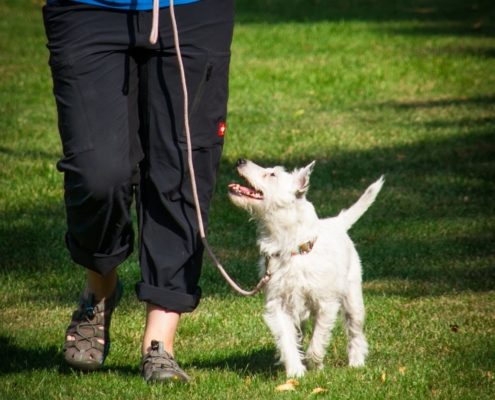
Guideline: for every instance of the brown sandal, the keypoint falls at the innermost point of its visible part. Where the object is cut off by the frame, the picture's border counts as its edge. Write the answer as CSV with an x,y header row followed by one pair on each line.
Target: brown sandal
x,y
90,322
160,366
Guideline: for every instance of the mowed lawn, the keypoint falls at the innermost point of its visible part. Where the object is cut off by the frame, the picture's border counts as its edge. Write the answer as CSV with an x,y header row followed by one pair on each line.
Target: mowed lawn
x,y
365,88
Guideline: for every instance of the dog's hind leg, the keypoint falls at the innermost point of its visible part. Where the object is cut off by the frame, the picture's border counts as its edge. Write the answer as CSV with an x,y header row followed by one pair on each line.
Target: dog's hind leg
x,y
354,323
287,338
324,322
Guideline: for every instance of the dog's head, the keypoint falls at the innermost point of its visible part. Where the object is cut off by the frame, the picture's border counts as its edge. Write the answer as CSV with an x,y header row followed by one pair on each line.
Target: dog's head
x,y
269,189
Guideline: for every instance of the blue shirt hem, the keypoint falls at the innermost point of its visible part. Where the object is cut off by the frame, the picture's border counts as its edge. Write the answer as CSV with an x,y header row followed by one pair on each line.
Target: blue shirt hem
x,y
139,5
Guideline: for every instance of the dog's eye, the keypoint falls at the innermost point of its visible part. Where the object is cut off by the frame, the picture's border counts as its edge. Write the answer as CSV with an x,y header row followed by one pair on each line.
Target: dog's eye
x,y
273,174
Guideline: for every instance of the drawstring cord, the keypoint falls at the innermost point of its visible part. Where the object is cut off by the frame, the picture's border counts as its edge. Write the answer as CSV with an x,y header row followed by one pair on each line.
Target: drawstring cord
x,y
155,20
153,39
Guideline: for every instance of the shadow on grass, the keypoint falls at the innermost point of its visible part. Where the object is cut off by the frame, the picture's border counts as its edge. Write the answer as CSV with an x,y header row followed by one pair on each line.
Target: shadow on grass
x,y
259,361
17,359
20,359
482,101
437,17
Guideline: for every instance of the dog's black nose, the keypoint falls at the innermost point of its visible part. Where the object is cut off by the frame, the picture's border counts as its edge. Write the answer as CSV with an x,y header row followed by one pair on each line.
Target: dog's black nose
x,y
240,162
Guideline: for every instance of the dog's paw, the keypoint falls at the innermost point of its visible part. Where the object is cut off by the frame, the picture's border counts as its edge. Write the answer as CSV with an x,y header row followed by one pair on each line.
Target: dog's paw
x,y
295,371
356,360
313,365
357,354
356,363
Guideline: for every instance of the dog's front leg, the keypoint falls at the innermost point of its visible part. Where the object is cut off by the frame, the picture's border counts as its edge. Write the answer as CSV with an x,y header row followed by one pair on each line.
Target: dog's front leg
x,y
287,338
324,322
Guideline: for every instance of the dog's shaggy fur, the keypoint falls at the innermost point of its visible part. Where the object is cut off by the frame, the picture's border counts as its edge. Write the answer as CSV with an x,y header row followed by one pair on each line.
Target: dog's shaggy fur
x,y
315,269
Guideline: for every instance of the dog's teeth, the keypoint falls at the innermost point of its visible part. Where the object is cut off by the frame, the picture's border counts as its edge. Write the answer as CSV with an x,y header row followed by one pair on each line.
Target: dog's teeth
x,y
245,191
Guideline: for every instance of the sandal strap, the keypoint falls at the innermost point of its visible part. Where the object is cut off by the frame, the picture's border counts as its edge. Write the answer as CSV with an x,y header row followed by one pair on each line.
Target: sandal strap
x,y
90,343
91,320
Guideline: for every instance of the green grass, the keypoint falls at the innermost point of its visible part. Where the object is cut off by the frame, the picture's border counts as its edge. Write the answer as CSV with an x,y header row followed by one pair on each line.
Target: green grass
x,y
365,87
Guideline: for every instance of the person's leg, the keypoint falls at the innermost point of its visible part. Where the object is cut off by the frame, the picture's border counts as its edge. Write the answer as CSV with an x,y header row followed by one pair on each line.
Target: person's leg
x,y
95,88
170,249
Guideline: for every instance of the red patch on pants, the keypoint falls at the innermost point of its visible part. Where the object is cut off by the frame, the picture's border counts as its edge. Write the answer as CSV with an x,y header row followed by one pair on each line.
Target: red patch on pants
x,y
222,128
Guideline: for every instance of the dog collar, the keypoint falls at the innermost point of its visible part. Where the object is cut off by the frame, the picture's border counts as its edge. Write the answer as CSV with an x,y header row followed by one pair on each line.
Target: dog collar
x,y
304,248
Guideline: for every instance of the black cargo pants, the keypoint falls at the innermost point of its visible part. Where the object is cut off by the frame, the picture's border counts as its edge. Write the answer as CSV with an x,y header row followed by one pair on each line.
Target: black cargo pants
x,y
119,104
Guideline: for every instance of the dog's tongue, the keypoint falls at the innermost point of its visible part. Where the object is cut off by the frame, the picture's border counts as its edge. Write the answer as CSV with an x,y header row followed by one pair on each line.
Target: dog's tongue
x,y
245,191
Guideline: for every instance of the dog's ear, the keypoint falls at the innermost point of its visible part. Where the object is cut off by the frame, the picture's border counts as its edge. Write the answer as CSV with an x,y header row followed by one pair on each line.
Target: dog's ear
x,y
302,179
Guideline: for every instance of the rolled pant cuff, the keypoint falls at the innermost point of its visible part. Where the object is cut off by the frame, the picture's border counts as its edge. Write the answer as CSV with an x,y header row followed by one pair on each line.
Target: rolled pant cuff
x,y
168,299
100,263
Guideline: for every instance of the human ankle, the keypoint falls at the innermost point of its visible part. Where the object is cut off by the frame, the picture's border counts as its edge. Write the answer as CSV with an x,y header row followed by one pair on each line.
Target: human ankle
x,y
161,325
101,286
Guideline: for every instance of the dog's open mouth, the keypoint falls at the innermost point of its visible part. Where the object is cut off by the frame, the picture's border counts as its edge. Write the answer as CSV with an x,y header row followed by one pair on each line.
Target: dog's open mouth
x,y
239,190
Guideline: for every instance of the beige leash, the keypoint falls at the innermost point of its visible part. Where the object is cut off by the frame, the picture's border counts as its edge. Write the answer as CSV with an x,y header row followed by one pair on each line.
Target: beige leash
x,y
153,39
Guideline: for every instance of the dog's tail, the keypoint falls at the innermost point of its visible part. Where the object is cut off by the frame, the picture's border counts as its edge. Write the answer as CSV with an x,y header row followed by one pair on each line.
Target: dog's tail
x,y
352,214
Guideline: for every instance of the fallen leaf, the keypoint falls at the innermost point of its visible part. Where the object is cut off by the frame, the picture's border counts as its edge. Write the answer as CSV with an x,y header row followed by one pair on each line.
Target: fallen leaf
x,y
402,370
287,386
383,377
319,390
454,328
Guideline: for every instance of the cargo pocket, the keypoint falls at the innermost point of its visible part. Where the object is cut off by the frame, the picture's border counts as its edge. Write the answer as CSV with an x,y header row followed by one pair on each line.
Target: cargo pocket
x,y
208,109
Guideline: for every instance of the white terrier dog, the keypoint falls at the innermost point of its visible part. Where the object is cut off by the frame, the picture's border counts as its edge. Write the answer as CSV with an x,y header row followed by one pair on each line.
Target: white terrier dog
x,y
313,264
